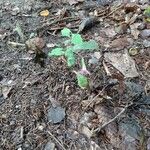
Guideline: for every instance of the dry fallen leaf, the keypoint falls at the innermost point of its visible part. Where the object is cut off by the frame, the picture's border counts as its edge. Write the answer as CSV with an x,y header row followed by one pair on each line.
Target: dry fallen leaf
x,y
121,43
123,62
44,13
110,32
105,114
134,31
131,7
35,44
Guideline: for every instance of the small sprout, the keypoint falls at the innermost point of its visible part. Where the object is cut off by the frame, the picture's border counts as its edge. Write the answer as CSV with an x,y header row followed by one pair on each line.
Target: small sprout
x,y
84,70
147,14
82,80
70,57
70,47
73,45
66,32
76,39
56,52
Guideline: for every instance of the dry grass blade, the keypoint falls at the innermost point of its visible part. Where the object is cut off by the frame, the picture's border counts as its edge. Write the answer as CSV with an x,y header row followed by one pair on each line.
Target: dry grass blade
x,y
61,145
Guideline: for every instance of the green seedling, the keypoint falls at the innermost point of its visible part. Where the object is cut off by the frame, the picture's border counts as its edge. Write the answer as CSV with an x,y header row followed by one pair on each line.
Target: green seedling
x,y
70,48
147,13
73,45
81,76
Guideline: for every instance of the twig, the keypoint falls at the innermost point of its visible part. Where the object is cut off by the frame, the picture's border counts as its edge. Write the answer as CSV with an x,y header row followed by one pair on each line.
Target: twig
x,y
15,44
58,20
113,119
95,97
63,148
120,6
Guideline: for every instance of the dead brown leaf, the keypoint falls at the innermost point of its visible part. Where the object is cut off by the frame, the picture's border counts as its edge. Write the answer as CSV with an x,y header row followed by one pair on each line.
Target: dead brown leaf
x,y
121,43
134,31
104,115
131,7
35,44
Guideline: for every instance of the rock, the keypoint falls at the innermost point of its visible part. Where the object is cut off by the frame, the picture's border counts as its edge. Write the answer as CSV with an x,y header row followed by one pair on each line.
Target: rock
x,y
146,43
145,33
148,144
56,115
49,146
143,2
86,131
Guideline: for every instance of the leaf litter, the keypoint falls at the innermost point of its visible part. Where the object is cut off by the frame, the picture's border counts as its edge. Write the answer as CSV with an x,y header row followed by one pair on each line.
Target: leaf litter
x,y
60,106
123,63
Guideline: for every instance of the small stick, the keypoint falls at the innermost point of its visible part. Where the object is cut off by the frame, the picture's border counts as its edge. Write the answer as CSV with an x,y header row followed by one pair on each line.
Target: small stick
x,y
113,119
95,98
15,44
63,148
113,11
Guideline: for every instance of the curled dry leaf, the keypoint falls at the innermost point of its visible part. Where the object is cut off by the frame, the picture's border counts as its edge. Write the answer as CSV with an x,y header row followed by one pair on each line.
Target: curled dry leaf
x,y
35,44
133,51
134,31
121,43
123,62
44,13
105,114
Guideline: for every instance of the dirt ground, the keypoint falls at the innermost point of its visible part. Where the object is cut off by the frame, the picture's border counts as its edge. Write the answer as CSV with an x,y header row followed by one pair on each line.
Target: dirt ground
x,y
112,113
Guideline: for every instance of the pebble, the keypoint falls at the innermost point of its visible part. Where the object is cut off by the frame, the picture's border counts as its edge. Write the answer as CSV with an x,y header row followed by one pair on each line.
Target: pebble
x,y
56,115
49,146
146,43
145,33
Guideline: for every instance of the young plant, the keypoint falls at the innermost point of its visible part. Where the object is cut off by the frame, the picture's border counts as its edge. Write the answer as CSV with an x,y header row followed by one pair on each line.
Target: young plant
x,y
72,46
147,13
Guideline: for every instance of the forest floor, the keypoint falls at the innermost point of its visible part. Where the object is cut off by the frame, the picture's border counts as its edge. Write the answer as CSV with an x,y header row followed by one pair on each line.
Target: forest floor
x,y
41,103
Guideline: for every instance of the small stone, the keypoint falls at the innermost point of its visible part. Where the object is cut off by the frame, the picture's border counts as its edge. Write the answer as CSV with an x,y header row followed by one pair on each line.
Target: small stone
x,y
15,10
146,43
148,144
145,33
56,115
40,127
86,131
49,146
141,26
97,55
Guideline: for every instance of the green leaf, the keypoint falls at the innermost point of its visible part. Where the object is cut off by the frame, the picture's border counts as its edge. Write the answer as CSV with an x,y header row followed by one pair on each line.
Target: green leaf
x,y
56,52
90,45
70,61
66,32
82,81
147,12
70,57
76,39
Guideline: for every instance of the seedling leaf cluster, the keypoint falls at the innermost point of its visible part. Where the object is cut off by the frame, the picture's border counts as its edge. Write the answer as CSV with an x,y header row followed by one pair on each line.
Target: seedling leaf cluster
x,y
70,48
